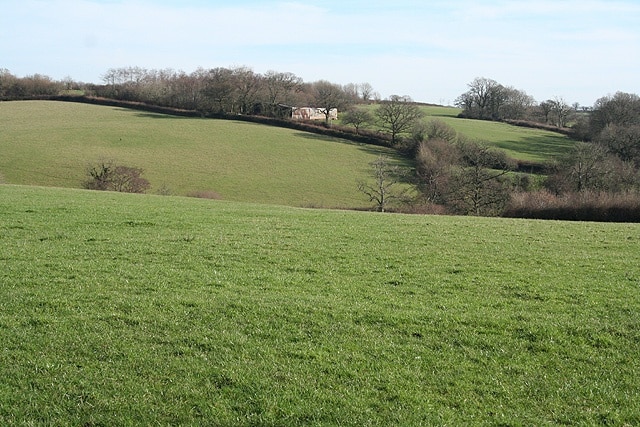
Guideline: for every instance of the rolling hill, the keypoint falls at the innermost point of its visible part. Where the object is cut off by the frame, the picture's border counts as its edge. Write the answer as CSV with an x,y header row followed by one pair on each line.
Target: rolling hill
x,y
520,143
52,143
123,309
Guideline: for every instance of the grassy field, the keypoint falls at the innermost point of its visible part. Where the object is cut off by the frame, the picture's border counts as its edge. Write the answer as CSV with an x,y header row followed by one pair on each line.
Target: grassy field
x,y
520,143
52,144
119,309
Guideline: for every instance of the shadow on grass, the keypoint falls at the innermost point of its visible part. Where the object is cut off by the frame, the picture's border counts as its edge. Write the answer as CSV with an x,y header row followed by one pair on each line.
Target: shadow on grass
x,y
539,149
157,116
449,116
368,148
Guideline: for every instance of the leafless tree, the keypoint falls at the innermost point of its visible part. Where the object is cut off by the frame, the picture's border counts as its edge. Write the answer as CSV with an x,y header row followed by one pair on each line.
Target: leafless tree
x,y
433,129
587,166
385,189
187,90
398,115
483,99
357,117
622,109
247,87
623,141
280,86
477,187
517,104
438,129
352,90
218,88
7,82
128,179
560,112
366,91
328,96
436,159
545,108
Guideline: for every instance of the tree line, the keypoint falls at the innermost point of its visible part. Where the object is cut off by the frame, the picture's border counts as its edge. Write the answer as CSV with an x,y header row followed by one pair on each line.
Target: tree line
x,y
451,173
236,90
487,99
599,179
606,160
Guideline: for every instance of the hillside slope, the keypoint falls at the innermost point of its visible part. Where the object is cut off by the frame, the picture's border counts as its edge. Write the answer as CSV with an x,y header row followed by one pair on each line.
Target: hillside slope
x,y
52,143
120,309
520,143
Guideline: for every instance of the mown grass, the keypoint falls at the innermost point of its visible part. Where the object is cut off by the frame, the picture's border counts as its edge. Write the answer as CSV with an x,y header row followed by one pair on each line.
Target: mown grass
x,y
53,143
120,309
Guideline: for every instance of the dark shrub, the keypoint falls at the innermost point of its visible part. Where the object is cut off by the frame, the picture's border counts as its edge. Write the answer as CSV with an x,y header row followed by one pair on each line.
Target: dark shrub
x,y
107,176
585,206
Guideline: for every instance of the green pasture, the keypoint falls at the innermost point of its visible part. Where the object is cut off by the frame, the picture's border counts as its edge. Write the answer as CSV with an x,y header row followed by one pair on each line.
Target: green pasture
x,y
53,143
520,143
121,309
439,111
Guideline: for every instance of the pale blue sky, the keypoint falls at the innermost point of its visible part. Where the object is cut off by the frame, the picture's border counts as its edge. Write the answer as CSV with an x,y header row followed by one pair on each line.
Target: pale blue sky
x,y
580,50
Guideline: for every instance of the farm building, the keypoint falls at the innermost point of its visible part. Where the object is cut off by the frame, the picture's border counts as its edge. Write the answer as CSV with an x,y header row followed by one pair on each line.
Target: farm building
x,y
309,113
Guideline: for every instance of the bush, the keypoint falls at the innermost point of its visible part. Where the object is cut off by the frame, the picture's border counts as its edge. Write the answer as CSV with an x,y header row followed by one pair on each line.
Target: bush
x,y
128,179
583,206
107,176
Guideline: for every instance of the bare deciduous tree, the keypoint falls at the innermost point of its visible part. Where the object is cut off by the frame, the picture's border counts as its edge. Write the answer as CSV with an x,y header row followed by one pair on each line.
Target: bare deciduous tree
x,y
397,115
483,99
218,88
560,112
357,117
366,91
438,129
280,86
247,85
477,187
587,167
328,96
517,104
385,189
623,141
127,179
435,162
622,109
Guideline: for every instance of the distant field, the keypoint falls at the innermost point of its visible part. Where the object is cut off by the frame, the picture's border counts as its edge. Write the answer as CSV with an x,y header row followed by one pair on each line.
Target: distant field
x,y
52,143
518,142
441,111
120,309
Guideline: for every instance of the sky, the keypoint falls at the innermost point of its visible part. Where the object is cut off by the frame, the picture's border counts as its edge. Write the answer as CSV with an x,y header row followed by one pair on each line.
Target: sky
x,y
577,50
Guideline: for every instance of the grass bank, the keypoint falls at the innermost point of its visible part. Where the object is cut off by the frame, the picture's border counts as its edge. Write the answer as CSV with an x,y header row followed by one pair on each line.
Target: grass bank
x,y
121,309
52,143
520,143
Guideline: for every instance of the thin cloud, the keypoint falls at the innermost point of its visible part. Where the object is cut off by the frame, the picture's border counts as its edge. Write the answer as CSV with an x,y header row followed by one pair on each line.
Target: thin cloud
x,y
544,47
